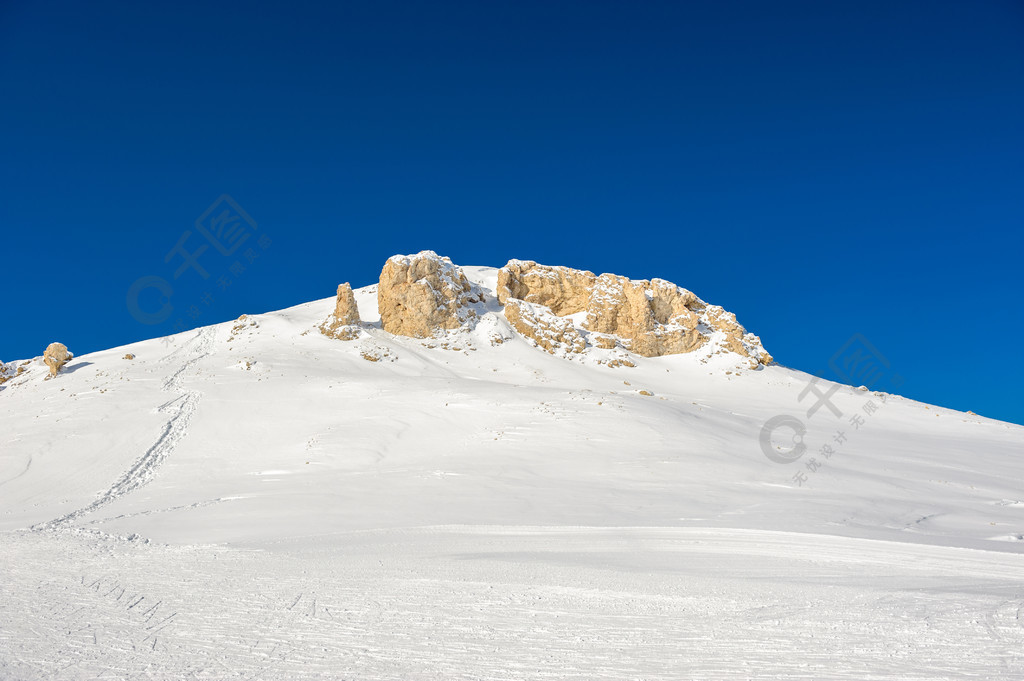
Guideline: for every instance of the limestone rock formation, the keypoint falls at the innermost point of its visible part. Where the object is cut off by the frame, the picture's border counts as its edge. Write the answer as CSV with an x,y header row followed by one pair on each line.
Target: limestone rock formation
x,y
650,318
9,371
345,309
56,356
549,331
421,294
736,337
655,317
343,323
562,289
560,309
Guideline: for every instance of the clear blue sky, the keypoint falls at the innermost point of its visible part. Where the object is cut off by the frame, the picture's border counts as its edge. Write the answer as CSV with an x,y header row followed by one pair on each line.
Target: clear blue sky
x,y
820,168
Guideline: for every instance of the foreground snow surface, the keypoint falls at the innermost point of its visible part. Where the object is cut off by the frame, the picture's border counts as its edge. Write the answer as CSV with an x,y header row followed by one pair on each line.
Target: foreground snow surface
x,y
254,500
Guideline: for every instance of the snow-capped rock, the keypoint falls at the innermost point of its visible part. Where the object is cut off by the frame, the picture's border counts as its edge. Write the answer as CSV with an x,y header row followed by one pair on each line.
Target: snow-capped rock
x,y
650,318
56,356
547,330
421,294
343,323
562,289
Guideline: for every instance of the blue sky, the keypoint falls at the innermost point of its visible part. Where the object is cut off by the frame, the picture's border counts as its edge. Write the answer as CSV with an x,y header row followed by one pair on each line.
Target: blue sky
x,y
821,169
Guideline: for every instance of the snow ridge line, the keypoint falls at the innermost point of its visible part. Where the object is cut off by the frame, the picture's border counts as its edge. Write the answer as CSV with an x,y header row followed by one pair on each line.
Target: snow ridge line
x,y
181,408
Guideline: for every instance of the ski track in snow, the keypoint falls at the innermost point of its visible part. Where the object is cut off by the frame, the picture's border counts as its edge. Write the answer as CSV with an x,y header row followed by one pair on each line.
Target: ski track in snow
x,y
180,408
514,603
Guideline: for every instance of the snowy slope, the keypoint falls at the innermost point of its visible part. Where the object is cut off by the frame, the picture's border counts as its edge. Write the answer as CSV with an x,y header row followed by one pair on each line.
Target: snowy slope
x,y
289,505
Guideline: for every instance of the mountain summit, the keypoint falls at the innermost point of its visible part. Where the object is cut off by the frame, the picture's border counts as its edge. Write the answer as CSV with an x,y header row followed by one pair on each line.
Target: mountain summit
x,y
520,472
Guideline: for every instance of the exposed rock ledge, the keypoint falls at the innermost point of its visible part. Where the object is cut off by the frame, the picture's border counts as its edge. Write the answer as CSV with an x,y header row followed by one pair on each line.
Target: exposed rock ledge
x,y
560,309
649,318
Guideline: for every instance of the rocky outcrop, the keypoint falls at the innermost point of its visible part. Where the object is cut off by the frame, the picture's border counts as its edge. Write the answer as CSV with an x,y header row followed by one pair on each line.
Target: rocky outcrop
x,y
56,356
547,330
649,318
563,290
735,337
343,323
560,309
9,371
653,318
345,309
422,294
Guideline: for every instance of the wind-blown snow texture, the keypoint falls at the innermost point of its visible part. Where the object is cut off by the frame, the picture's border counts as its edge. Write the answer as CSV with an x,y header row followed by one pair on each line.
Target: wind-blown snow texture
x,y
262,502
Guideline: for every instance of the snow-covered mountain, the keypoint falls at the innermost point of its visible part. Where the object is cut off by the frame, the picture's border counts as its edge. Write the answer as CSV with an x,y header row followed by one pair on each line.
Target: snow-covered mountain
x,y
530,491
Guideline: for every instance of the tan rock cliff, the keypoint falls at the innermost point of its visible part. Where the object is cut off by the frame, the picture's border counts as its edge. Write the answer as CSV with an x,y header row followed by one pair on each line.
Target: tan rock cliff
x,y
421,294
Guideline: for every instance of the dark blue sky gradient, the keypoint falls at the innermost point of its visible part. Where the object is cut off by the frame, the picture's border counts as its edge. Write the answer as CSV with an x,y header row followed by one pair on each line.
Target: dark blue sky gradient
x,y
819,168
